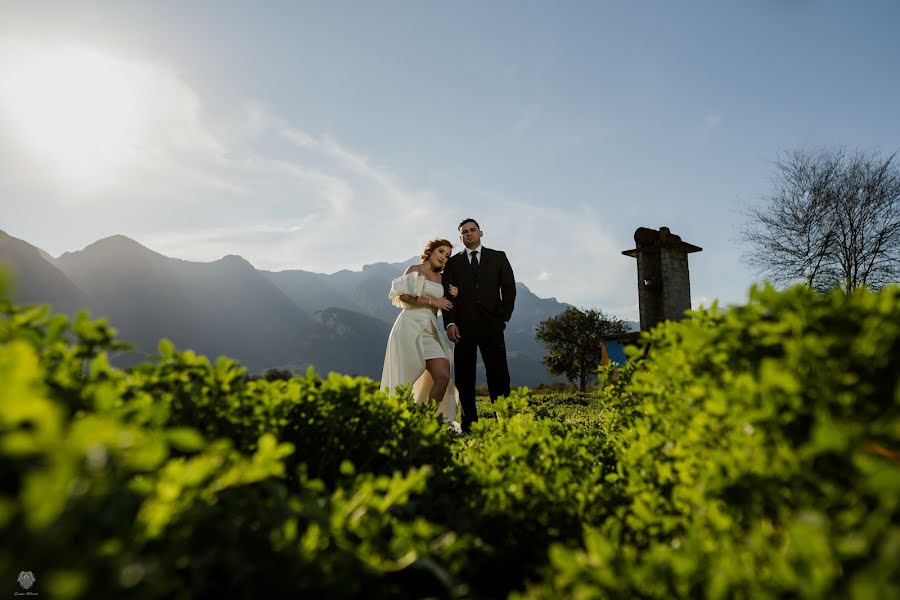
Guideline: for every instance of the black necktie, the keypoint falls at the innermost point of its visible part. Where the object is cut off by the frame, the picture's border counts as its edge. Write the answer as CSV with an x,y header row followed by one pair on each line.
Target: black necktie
x,y
475,263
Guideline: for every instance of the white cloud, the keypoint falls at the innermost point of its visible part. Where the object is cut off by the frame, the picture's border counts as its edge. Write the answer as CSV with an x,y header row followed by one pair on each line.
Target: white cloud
x,y
151,119
199,187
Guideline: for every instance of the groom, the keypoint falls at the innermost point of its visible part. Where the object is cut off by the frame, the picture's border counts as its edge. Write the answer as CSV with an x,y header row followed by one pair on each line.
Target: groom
x,y
481,309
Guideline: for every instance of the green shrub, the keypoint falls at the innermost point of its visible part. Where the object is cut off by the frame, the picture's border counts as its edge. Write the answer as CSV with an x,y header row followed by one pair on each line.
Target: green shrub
x,y
758,450
149,484
523,483
327,421
753,453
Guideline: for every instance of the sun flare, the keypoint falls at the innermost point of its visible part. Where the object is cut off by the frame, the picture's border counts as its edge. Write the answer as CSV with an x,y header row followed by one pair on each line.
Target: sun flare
x,y
77,109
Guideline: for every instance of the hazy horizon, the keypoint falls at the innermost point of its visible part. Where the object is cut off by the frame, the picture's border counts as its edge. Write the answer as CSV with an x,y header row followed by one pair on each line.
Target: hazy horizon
x,y
324,136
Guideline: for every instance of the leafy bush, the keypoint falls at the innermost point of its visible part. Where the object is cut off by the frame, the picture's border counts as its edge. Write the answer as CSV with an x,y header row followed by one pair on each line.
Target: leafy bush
x,y
758,451
753,453
327,421
525,482
151,483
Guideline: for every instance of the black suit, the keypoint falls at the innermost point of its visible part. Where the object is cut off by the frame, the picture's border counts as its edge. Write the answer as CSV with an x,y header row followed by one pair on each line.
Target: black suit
x,y
481,310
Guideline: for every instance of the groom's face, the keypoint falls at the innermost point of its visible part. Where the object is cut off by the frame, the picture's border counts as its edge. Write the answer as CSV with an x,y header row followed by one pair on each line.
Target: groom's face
x,y
470,235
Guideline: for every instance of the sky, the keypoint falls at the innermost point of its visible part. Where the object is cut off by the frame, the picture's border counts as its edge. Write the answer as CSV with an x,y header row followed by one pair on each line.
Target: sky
x,y
328,135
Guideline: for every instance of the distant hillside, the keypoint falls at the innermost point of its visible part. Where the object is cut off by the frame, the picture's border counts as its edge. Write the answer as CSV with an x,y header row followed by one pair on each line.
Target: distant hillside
x,y
224,307
35,280
287,319
365,291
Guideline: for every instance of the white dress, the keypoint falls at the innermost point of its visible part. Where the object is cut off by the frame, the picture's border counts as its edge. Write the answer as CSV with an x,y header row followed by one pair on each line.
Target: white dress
x,y
416,337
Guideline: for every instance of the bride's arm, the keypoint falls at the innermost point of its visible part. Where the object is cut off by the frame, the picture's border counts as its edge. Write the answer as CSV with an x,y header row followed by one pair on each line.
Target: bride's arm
x,y
418,300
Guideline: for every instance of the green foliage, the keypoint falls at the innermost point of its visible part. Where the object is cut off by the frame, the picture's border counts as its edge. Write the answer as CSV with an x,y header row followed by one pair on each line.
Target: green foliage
x,y
753,453
573,340
521,482
758,450
175,479
327,421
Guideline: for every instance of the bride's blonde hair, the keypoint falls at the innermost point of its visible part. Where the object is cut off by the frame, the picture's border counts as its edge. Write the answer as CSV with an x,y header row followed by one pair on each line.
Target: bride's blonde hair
x,y
434,245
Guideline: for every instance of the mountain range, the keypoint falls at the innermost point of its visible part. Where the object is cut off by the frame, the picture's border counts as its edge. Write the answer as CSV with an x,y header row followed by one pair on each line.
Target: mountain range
x,y
285,319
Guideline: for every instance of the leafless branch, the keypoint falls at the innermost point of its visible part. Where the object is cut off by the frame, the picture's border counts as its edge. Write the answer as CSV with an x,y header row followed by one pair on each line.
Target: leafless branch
x,y
832,219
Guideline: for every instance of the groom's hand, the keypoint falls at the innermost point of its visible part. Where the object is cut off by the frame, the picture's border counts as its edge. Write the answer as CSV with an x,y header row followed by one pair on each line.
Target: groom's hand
x,y
453,333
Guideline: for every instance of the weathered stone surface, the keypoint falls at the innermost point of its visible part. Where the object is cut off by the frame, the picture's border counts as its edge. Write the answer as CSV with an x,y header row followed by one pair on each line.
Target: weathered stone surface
x,y
664,282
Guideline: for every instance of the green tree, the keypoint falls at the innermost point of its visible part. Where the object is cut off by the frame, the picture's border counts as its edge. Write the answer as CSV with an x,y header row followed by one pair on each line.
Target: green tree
x,y
573,338
277,375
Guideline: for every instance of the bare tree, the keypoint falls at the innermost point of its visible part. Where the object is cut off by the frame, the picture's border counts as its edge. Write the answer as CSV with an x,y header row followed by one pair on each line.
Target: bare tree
x,y
832,219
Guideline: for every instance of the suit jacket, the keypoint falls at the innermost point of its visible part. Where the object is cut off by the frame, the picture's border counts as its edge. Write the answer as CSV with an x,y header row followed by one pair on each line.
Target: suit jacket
x,y
483,305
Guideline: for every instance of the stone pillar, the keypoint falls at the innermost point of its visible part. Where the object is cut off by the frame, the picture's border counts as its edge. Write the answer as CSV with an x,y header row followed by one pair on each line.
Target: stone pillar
x,y
664,284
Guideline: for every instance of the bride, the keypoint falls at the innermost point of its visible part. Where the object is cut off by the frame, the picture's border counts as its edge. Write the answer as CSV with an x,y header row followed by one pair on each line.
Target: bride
x,y
417,351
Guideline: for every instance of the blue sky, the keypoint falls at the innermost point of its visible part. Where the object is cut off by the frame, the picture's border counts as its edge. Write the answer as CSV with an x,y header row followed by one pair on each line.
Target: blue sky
x,y
327,135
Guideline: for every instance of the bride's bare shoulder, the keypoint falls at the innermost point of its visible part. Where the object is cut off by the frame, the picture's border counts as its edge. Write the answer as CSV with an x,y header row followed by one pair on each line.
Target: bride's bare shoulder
x,y
413,269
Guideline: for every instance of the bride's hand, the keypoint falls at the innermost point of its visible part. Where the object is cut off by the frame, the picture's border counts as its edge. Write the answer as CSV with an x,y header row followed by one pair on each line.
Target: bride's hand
x,y
443,304
453,290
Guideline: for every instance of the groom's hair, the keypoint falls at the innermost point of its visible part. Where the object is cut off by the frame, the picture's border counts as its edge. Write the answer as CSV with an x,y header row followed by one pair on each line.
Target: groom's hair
x,y
470,220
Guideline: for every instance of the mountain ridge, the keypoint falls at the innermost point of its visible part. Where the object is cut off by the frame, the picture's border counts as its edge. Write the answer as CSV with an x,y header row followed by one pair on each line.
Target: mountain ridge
x,y
265,319
46,283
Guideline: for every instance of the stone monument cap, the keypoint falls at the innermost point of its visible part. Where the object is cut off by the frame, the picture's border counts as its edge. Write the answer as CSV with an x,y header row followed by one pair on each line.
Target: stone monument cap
x,y
645,238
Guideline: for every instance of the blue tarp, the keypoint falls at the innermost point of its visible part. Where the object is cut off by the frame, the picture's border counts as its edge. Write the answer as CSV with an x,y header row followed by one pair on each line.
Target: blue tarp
x,y
616,352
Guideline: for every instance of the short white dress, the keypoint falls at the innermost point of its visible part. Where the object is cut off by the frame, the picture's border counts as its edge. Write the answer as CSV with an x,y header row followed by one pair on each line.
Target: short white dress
x,y
415,338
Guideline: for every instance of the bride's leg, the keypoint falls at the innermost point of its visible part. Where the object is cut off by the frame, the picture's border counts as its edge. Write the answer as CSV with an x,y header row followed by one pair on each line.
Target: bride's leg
x,y
439,368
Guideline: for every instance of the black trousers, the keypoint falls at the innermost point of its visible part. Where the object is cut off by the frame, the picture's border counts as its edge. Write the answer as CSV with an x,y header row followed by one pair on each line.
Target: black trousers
x,y
465,356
